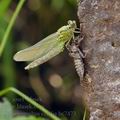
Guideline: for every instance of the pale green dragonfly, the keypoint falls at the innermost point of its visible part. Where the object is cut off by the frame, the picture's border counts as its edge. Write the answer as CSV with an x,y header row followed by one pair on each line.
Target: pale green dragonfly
x,y
48,47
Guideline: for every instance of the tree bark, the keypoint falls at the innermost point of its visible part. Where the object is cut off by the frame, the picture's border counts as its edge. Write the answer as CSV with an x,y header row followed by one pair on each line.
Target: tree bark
x,y
100,23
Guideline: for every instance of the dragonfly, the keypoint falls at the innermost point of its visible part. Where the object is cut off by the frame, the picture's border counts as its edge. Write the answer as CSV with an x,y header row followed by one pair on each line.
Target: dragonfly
x,y
49,47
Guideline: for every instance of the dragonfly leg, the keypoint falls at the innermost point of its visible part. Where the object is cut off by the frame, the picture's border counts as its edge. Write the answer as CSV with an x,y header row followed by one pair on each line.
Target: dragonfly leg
x,y
79,40
76,31
68,46
68,43
86,52
81,54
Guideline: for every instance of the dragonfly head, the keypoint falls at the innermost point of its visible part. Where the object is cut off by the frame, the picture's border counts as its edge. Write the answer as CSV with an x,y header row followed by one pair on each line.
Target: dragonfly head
x,y
68,28
72,24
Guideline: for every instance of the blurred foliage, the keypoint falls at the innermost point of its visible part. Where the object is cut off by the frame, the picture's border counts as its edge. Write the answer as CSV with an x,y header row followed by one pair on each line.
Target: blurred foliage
x,y
5,114
7,70
53,84
4,5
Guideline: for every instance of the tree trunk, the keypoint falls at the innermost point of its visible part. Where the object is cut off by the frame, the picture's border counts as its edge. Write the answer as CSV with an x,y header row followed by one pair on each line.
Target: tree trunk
x,y
100,23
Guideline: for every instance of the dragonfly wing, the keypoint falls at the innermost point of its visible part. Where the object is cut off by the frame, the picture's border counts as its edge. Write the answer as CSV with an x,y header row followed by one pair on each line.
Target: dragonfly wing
x,y
55,51
37,50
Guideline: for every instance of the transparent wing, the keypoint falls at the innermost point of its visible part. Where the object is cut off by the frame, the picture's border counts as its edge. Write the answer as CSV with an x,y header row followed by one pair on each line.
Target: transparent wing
x,y
37,50
55,51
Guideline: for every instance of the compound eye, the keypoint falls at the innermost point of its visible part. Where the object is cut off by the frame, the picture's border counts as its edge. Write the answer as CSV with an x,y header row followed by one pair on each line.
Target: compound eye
x,y
69,22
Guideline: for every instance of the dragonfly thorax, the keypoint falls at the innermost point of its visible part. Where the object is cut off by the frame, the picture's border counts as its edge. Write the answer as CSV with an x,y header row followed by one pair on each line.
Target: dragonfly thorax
x,y
63,29
67,32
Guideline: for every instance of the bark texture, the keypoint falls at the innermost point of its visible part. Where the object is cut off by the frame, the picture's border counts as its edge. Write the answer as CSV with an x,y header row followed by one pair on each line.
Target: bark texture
x,y
100,23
